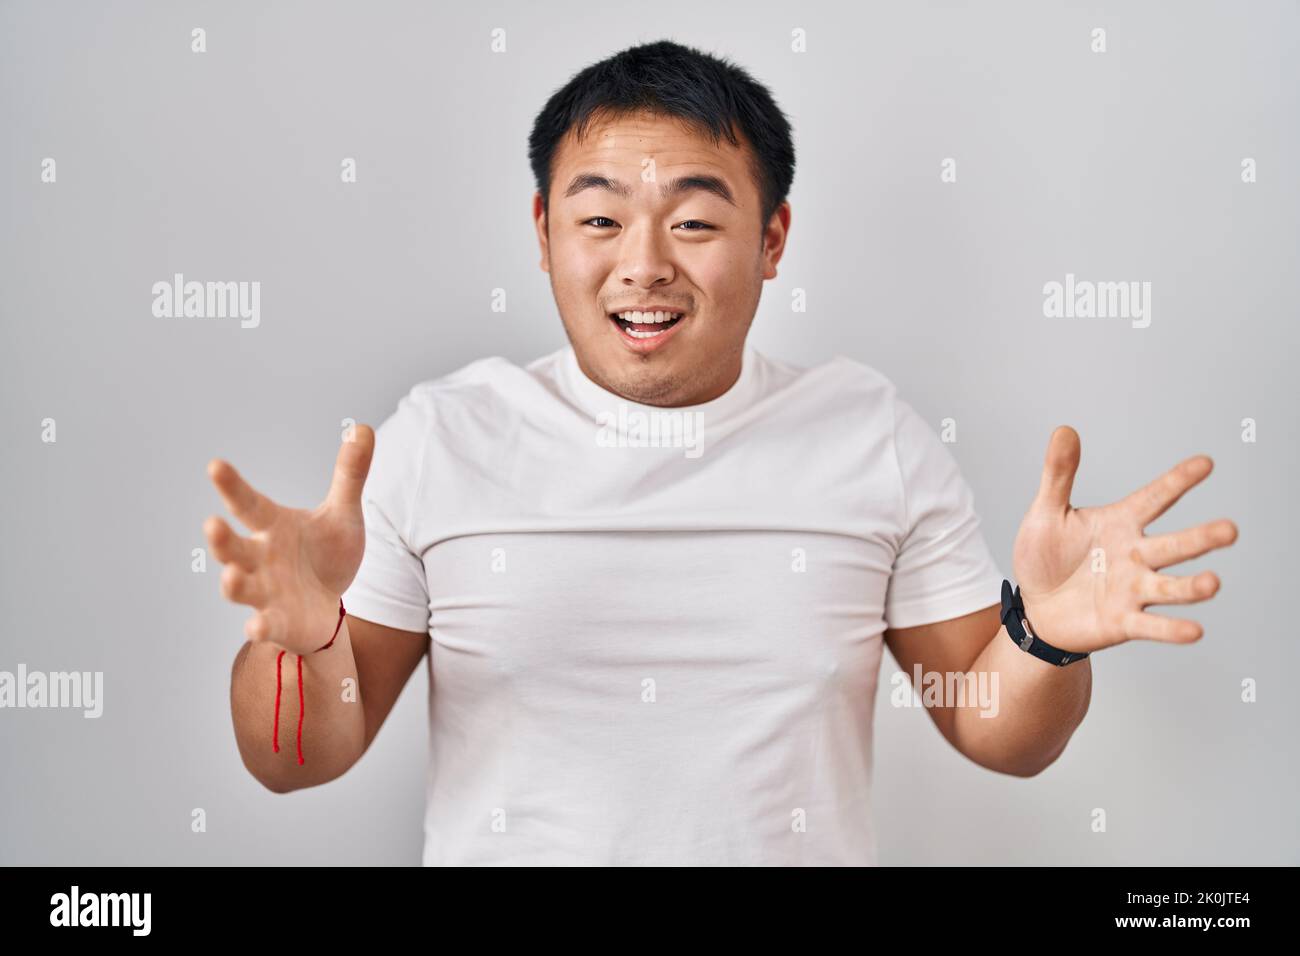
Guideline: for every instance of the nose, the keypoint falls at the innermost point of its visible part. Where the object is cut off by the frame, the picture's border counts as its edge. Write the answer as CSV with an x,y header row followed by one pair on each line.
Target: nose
x,y
645,262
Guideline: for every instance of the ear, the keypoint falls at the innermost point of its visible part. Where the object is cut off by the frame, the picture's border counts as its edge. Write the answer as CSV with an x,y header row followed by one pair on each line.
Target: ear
x,y
541,224
774,237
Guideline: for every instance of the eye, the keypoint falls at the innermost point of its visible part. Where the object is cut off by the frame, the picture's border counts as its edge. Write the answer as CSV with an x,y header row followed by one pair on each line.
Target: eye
x,y
592,221
703,225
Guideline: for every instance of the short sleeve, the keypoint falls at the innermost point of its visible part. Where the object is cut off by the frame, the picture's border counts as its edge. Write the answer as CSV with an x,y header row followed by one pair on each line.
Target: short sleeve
x,y
390,587
943,567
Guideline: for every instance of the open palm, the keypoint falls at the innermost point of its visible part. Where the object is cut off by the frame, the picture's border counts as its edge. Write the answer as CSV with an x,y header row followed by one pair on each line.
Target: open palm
x,y
297,563
1087,574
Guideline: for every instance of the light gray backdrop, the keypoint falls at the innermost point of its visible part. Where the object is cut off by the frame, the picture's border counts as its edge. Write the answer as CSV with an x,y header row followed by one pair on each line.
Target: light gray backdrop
x,y
1124,165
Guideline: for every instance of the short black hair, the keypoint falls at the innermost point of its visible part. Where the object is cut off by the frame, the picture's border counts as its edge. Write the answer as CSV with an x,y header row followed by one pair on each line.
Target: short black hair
x,y
710,94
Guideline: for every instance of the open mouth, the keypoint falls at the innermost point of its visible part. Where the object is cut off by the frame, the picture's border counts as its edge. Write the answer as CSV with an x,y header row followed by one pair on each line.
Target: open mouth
x,y
646,325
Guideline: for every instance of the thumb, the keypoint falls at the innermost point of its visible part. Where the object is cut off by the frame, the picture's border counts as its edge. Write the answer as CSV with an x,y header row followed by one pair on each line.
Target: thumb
x,y
1059,467
351,468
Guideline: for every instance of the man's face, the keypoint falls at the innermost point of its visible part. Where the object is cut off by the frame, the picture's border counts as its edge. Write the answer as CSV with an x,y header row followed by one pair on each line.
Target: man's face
x,y
633,223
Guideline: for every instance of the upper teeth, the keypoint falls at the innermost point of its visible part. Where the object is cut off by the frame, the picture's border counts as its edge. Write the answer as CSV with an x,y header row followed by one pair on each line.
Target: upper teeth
x,y
647,317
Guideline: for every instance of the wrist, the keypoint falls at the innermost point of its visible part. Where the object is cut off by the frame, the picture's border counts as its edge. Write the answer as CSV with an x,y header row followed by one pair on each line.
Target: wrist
x,y
1021,617
339,613
1040,620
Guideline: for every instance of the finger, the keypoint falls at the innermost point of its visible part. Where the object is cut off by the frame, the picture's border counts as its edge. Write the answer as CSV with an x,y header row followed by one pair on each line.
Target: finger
x,y
1059,467
228,547
351,467
1162,550
1150,502
1145,626
243,588
255,510
1177,589
266,625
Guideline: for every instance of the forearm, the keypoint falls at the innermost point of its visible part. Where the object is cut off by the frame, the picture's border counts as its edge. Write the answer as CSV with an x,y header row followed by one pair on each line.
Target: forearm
x,y
1036,708
333,725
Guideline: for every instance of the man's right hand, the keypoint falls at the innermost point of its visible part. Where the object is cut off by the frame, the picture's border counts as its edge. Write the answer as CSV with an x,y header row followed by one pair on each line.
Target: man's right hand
x,y
297,563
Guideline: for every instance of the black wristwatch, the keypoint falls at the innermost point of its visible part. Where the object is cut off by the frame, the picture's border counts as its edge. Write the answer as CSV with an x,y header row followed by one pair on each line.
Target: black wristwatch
x,y
1017,625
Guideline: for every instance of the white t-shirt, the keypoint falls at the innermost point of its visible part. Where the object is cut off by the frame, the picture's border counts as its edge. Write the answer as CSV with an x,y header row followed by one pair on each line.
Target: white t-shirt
x,y
667,651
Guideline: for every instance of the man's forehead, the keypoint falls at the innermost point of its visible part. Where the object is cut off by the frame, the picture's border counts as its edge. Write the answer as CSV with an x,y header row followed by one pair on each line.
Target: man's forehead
x,y
621,148
622,138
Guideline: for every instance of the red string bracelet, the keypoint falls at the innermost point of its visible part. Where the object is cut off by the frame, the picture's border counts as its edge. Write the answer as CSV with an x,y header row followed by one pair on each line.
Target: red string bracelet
x,y
275,730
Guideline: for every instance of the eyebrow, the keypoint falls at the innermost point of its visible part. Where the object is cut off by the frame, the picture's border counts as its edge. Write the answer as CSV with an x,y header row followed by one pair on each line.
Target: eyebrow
x,y
676,187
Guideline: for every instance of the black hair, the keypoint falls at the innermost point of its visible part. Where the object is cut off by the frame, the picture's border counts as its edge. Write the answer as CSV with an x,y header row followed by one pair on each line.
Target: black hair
x,y
711,95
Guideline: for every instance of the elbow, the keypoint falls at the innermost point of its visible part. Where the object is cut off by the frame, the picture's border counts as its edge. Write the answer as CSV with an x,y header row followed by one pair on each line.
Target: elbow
x,y
1015,756
1031,769
261,771
299,778
275,786
1016,766
1028,762
273,783
1034,767
1034,764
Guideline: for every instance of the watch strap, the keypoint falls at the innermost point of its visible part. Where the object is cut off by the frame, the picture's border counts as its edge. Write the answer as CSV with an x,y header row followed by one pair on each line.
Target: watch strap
x,y
1022,633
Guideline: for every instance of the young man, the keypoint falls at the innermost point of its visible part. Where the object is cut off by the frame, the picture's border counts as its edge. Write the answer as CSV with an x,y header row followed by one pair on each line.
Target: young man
x,y
655,571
